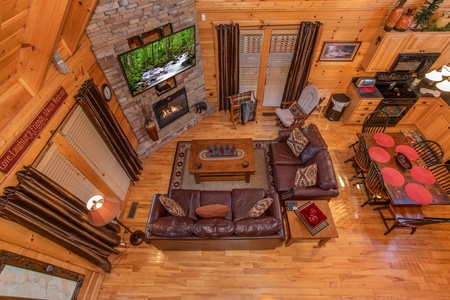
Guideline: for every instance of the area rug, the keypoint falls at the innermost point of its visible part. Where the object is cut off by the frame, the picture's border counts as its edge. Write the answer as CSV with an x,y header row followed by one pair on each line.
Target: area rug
x,y
181,179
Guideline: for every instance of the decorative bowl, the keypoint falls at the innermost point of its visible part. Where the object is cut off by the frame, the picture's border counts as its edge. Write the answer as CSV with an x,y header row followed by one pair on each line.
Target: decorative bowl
x,y
404,161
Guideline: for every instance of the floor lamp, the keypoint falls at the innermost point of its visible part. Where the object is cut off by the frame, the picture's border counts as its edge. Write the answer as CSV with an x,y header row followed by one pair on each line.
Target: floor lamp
x,y
104,209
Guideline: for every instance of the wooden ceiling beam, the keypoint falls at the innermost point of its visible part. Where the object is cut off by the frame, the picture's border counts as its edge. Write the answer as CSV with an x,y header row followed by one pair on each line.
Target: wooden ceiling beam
x,y
42,33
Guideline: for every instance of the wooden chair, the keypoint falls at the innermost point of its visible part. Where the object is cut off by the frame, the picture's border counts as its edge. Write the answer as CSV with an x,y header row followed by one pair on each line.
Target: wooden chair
x,y
361,161
407,216
243,107
442,175
430,152
403,216
294,113
374,186
374,122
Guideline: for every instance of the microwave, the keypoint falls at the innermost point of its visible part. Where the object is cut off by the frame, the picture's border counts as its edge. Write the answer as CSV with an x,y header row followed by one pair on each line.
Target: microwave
x,y
418,63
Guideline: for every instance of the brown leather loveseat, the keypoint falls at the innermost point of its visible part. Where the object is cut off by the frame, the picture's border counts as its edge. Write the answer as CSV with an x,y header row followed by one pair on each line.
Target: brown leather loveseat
x,y
233,231
285,165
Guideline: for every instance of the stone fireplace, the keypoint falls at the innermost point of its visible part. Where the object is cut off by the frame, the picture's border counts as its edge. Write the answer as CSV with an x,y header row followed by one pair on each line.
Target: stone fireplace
x,y
171,108
112,24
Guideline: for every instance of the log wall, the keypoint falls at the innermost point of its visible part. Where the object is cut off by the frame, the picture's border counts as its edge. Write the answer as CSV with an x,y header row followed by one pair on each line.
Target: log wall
x,y
343,21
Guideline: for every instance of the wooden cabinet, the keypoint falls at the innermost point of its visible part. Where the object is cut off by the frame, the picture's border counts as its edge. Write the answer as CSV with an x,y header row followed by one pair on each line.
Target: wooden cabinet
x,y
359,108
384,48
426,42
436,125
418,110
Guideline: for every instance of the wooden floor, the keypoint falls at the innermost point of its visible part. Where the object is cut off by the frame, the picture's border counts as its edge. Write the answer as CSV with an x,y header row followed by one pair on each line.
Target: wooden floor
x,y
361,264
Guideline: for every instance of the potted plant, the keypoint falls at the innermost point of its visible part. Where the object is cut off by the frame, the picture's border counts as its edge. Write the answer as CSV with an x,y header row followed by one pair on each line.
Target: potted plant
x,y
423,16
148,120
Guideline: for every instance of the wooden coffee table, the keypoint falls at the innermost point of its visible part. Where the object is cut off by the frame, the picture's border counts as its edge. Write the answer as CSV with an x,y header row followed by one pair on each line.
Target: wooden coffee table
x,y
224,167
297,231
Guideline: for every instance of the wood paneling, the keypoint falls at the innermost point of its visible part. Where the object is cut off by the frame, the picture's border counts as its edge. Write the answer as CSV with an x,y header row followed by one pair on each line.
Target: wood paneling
x,y
344,21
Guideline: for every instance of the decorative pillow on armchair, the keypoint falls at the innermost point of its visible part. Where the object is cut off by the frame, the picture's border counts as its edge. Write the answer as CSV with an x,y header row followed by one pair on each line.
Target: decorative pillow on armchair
x,y
297,141
306,176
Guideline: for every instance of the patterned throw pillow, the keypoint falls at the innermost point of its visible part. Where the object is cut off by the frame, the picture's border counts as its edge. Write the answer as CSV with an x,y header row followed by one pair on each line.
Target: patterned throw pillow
x,y
297,141
259,208
212,211
171,206
306,176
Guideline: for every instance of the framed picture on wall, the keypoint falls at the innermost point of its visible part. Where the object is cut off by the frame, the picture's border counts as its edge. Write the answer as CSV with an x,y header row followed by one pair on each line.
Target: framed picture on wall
x,y
339,51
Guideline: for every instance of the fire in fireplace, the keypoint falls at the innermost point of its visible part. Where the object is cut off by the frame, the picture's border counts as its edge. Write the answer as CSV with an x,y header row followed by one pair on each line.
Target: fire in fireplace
x,y
171,108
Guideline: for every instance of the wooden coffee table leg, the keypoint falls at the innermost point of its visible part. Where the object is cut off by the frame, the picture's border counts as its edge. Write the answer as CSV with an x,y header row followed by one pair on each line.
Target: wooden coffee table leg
x,y
322,242
197,178
288,241
247,177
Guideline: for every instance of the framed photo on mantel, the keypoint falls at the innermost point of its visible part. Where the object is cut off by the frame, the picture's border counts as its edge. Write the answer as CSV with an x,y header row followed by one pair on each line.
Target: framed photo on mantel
x,y
339,51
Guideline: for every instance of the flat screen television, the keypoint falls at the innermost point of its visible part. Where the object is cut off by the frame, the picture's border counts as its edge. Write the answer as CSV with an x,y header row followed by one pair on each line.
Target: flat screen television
x,y
157,61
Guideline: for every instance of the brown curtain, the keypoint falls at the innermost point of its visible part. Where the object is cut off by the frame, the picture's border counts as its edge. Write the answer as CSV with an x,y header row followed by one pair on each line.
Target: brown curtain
x,y
43,206
305,48
228,40
98,111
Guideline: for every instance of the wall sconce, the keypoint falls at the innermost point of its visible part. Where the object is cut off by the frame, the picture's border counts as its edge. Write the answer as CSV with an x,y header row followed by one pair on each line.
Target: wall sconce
x,y
104,209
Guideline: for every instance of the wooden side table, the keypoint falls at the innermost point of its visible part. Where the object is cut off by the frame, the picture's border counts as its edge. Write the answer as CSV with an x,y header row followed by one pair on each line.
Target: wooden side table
x,y
297,231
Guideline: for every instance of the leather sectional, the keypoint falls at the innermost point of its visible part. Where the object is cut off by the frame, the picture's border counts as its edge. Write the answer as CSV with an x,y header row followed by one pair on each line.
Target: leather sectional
x,y
234,231
285,165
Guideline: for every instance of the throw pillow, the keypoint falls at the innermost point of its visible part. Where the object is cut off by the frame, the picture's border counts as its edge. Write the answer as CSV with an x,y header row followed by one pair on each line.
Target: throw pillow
x,y
171,206
212,211
306,176
259,208
297,141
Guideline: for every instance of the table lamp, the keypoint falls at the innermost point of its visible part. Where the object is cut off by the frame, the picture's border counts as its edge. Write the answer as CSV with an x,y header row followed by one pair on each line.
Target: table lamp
x,y
104,209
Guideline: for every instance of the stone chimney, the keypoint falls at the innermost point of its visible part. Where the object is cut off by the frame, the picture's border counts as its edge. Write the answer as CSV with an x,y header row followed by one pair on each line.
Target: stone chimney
x,y
112,24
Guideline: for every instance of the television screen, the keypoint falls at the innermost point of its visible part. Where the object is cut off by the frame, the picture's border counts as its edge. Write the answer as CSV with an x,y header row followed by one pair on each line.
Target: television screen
x,y
151,64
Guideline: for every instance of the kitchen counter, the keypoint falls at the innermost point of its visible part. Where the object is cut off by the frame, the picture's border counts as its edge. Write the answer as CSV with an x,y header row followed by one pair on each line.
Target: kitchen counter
x,y
444,95
362,94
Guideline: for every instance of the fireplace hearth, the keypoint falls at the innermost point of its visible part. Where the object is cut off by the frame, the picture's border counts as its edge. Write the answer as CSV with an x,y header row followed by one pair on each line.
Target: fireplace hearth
x,y
171,108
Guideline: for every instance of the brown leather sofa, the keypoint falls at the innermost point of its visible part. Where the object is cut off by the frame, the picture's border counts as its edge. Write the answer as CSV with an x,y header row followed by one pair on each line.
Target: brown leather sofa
x,y
234,231
285,165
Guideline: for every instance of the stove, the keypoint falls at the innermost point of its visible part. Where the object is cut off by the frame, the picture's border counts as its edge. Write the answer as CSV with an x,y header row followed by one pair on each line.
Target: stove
x,y
398,96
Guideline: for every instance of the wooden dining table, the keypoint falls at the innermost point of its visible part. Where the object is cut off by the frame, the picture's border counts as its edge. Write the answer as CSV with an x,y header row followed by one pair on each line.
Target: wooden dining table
x,y
413,186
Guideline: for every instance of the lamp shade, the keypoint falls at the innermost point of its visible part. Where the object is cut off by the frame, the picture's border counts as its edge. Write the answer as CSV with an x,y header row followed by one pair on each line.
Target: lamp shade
x,y
444,85
102,209
434,76
445,71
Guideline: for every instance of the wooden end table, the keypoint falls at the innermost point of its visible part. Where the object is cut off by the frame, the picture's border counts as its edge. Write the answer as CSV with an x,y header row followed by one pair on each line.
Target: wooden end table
x,y
297,231
222,168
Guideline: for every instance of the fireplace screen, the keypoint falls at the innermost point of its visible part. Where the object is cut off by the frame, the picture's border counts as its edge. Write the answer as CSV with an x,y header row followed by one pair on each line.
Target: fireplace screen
x,y
171,108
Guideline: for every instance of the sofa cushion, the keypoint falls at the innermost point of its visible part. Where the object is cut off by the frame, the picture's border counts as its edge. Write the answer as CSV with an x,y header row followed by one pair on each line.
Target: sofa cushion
x,y
262,226
172,226
297,141
315,144
259,208
213,227
306,176
244,200
280,154
171,206
212,211
326,178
